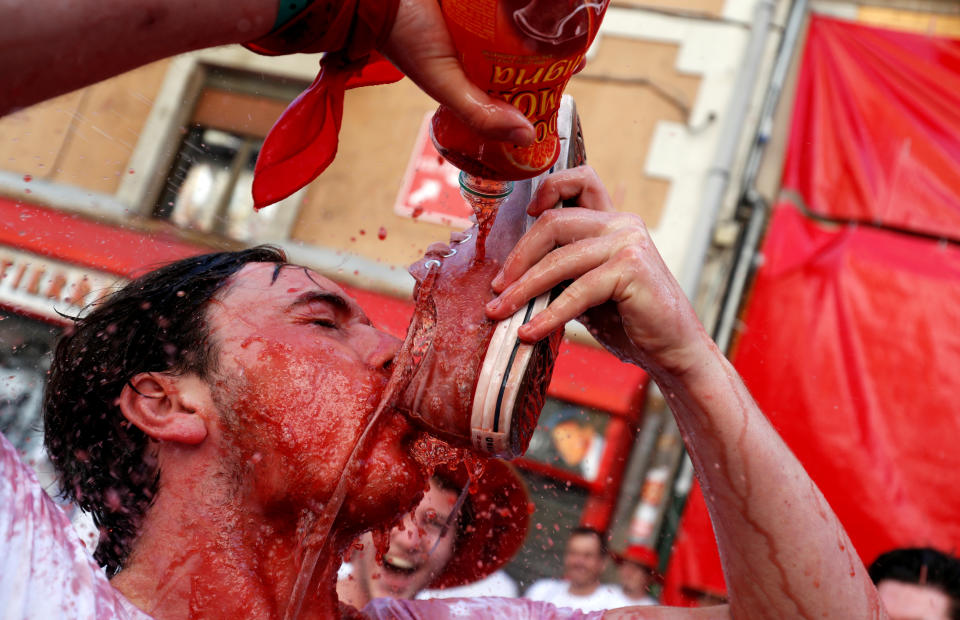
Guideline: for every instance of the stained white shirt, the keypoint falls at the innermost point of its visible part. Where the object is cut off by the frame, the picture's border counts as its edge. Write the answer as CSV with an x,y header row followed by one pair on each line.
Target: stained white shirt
x,y
484,608
497,583
45,571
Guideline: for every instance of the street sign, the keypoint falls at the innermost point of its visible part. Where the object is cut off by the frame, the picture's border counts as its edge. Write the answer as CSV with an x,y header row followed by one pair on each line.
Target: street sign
x,y
430,190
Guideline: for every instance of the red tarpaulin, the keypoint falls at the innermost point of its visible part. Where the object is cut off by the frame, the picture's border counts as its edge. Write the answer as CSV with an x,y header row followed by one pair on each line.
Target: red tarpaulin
x,y
876,127
851,342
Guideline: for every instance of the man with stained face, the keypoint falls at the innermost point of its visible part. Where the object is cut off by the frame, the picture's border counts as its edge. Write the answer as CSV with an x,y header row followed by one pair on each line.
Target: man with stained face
x,y
419,548
220,418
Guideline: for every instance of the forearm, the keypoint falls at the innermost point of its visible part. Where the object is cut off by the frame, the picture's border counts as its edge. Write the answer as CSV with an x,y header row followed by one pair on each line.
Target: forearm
x,y
49,47
784,553
650,612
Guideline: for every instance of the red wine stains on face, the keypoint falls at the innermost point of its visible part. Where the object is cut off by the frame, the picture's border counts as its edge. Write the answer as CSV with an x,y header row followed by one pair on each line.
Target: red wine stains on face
x,y
301,371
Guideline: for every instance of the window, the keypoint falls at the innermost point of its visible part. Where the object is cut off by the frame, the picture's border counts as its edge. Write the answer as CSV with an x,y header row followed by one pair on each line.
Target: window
x,y
208,187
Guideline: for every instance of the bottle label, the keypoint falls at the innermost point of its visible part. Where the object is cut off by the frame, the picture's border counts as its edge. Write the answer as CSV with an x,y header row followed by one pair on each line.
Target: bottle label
x,y
524,52
477,17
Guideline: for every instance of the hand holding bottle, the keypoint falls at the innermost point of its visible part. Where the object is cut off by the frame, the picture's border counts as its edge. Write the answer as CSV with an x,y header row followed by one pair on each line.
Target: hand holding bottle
x,y
620,287
420,46
772,524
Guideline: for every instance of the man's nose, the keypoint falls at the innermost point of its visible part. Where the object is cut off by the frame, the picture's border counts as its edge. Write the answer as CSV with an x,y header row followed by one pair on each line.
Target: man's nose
x,y
381,349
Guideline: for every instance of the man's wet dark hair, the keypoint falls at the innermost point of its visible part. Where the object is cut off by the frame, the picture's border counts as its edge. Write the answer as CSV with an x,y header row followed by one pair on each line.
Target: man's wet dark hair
x,y
157,323
583,530
921,566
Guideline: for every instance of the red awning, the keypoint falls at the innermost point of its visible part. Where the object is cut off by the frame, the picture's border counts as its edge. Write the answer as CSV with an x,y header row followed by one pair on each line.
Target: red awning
x,y
81,241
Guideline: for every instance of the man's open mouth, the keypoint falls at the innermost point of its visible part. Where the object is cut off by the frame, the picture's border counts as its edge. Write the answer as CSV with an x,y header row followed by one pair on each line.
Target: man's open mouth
x,y
398,565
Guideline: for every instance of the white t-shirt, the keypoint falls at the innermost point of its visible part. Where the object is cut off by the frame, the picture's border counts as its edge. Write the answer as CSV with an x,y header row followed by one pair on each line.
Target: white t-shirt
x,y
590,465
557,591
498,583
45,571
484,608
625,601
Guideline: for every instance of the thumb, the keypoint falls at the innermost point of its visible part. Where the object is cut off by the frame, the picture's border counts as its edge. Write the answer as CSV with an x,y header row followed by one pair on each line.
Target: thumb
x,y
420,46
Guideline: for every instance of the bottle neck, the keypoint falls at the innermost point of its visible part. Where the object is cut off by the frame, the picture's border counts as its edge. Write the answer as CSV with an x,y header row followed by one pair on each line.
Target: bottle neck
x,y
484,195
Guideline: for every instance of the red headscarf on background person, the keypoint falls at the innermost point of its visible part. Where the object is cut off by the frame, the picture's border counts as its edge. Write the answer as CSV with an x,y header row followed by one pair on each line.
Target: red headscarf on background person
x,y
501,510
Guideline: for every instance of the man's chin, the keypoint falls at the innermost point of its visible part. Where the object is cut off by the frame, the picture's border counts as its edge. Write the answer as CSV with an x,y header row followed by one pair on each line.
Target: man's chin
x,y
391,484
396,586
382,505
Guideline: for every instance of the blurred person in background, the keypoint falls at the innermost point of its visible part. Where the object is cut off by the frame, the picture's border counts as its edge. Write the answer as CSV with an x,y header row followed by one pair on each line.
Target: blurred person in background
x,y
457,551
637,573
918,583
584,560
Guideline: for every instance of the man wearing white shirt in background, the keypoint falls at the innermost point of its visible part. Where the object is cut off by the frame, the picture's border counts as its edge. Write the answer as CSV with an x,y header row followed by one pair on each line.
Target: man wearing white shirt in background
x,y
584,561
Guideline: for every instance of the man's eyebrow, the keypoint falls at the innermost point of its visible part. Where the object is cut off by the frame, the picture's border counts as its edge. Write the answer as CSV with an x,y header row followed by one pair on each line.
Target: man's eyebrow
x,y
335,300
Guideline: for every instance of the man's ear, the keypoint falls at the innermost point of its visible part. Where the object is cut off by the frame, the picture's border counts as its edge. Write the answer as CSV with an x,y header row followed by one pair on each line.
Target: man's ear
x,y
166,407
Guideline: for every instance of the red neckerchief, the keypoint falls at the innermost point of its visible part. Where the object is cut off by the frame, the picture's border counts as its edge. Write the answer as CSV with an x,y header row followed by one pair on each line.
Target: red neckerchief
x,y
303,141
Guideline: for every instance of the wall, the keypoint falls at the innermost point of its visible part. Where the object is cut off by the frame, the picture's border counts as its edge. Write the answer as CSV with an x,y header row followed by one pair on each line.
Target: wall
x,y
82,139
